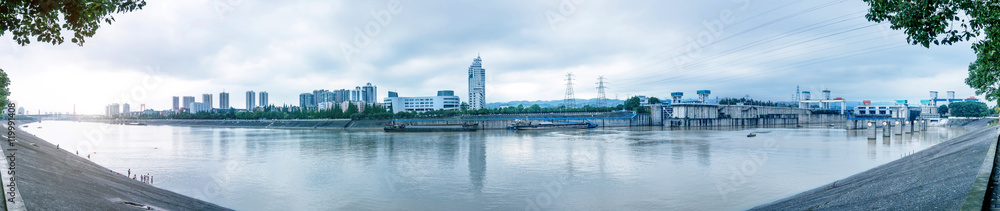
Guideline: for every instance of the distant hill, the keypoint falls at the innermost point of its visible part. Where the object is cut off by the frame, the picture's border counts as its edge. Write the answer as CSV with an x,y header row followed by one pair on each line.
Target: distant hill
x,y
552,103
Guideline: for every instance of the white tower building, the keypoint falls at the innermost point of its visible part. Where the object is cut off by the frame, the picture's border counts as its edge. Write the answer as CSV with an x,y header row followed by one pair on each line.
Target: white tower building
x,y
477,84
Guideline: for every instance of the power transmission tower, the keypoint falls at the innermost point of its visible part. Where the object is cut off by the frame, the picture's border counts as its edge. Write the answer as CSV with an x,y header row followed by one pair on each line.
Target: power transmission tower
x,y
569,102
602,100
796,96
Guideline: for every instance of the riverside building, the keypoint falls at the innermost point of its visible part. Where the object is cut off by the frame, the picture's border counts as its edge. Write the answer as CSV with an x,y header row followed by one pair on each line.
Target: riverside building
x,y
445,100
477,84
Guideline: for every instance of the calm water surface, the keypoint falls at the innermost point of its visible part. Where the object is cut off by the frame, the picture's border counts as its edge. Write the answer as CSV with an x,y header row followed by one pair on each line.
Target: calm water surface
x,y
645,168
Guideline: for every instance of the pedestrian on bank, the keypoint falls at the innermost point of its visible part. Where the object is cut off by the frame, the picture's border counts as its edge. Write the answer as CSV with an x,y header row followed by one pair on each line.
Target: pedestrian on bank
x,y
129,173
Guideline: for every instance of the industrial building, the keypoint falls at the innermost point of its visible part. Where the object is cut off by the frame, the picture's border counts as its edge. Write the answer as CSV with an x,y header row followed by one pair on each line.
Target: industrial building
x,y
824,102
702,113
445,100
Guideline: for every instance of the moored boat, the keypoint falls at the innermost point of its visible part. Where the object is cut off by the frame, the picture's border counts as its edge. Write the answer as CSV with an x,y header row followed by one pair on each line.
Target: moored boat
x,y
392,127
528,125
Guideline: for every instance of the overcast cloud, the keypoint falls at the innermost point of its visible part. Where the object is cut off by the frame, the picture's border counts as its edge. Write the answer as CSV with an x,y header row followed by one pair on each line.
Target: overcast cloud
x,y
734,48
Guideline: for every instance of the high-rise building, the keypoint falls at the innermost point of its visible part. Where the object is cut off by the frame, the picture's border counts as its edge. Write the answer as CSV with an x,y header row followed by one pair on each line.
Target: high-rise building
x,y
263,99
207,99
342,95
224,100
368,94
321,96
187,100
356,94
111,110
125,108
477,84
306,100
250,100
177,103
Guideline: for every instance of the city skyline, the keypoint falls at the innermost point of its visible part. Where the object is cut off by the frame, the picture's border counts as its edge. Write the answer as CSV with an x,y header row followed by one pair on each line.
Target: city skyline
x,y
733,48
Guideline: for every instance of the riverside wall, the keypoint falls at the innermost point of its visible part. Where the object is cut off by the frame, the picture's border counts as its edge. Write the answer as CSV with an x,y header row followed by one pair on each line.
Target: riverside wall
x,y
605,119
763,120
713,115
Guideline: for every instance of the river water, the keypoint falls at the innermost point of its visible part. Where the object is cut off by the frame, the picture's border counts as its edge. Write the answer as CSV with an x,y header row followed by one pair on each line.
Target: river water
x,y
646,168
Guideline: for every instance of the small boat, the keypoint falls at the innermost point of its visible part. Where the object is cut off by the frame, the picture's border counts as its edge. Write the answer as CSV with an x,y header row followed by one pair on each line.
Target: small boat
x,y
136,123
528,125
25,126
392,127
752,135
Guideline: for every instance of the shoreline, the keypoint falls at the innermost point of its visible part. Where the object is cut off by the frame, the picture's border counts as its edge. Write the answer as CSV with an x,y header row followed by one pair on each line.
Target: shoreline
x,y
347,124
55,179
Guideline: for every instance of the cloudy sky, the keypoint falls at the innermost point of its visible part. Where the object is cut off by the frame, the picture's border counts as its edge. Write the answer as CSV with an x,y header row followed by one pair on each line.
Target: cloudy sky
x,y
734,48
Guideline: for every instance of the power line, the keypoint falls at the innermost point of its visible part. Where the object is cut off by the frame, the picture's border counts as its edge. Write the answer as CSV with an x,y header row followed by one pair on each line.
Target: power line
x,y
768,55
828,4
702,63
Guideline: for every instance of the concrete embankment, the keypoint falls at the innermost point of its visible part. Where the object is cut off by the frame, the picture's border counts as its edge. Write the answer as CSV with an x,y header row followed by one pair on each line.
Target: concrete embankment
x,y
241,123
495,121
502,121
51,179
943,177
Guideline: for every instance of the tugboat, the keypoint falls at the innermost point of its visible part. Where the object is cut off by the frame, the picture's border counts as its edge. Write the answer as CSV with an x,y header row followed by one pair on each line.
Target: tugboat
x,y
528,125
467,127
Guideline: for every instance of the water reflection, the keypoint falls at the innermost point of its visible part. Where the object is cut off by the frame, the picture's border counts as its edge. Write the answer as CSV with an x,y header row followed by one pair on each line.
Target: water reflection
x,y
604,169
871,149
223,142
477,162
